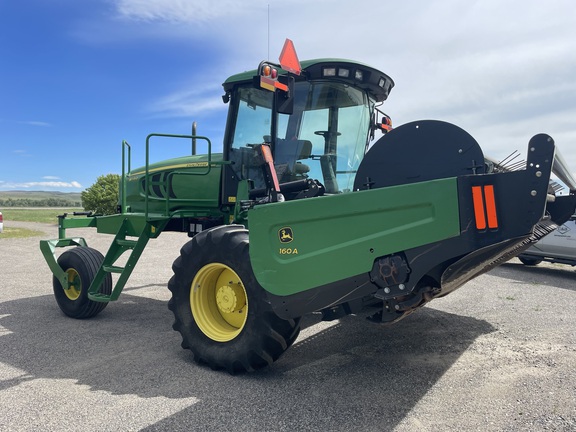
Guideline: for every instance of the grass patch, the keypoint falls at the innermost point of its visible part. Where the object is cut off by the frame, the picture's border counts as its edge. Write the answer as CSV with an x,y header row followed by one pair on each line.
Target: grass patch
x,y
44,215
10,232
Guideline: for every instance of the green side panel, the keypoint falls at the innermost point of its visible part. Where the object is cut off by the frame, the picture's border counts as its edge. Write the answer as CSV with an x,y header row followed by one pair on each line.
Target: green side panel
x,y
299,245
185,183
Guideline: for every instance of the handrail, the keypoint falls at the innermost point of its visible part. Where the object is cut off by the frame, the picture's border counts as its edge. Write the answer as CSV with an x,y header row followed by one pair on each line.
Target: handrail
x,y
123,180
147,174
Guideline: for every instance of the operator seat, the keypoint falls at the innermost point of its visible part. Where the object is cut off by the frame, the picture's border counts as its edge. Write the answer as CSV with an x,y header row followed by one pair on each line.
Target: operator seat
x,y
287,158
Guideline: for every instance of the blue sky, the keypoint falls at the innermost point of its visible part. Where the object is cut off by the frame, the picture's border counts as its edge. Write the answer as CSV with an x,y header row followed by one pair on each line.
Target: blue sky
x,y
79,76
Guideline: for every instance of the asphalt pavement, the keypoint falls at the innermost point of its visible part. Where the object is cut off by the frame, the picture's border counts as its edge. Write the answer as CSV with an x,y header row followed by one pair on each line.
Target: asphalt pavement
x,y
499,354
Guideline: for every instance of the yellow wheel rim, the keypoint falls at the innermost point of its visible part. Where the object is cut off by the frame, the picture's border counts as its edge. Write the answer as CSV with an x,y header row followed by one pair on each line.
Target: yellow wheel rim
x,y
74,285
219,302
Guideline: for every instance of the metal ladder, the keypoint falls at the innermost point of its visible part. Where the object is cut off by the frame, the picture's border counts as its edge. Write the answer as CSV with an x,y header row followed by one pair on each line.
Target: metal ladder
x,y
119,245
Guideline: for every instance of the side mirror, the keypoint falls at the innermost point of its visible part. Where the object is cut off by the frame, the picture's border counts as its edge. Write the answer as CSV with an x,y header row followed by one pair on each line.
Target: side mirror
x,y
284,100
281,85
385,125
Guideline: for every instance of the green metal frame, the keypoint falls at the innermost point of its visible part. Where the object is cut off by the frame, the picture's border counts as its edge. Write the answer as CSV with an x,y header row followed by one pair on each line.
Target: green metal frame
x,y
125,226
48,248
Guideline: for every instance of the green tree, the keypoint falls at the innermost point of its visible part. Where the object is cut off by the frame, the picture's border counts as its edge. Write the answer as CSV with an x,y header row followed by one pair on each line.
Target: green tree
x,y
102,196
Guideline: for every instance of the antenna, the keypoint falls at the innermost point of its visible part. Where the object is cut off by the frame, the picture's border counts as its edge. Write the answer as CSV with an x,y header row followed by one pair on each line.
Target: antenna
x,y
268,31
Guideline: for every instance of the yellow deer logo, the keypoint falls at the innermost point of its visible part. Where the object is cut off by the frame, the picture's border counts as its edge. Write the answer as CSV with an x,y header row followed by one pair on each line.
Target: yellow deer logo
x,y
285,235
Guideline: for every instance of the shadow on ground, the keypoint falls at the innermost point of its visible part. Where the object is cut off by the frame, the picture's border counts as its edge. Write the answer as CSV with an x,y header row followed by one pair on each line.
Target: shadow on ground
x,y
351,373
557,275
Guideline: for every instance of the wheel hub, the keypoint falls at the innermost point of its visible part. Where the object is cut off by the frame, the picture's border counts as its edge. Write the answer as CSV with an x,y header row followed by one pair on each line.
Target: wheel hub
x,y
230,298
218,301
74,285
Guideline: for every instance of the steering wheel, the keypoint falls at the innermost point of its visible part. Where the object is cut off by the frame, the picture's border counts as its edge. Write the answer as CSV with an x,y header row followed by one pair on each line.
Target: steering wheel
x,y
326,134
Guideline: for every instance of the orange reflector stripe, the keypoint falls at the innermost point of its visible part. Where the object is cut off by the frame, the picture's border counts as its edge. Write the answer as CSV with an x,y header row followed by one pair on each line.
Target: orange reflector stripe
x,y
490,206
281,86
267,83
478,207
272,84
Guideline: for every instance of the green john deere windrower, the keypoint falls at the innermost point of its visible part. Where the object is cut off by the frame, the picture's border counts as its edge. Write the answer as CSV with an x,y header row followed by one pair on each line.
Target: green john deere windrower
x,y
299,214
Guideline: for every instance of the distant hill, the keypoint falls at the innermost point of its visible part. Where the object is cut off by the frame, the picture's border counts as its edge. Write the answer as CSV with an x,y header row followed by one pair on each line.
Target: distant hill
x,y
39,199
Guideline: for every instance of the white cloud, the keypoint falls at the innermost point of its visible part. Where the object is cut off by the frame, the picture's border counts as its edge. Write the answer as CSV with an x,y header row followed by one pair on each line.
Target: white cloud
x,y
46,184
185,10
27,122
21,153
189,102
501,70
35,123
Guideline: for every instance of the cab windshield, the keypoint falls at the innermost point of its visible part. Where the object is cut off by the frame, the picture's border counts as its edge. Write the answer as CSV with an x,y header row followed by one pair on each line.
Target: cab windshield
x,y
324,138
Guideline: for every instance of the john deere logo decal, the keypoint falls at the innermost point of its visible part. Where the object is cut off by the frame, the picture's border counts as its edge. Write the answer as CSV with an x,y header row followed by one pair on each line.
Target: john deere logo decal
x,y
563,229
285,235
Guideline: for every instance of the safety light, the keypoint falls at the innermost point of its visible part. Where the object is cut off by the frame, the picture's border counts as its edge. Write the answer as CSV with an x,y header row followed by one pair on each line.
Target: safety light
x,y
329,72
382,82
269,78
269,72
343,73
289,62
358,75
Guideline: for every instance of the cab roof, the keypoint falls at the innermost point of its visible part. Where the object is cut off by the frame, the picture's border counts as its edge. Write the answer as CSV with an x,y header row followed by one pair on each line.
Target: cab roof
x,y
375,82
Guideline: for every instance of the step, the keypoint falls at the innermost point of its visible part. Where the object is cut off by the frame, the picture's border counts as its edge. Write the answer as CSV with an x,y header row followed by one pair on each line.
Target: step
x,y
127,243
112,269
99,297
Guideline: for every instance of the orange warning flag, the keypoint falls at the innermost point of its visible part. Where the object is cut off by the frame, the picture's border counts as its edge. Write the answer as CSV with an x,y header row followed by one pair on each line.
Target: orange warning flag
x,y
289,59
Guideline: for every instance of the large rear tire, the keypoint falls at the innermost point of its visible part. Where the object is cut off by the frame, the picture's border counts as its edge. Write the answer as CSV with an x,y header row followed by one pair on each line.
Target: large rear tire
x,y
81,264
220,309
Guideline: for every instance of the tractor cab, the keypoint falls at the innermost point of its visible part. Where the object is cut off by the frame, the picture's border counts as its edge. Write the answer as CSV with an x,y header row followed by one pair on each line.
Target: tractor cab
x,y
315,120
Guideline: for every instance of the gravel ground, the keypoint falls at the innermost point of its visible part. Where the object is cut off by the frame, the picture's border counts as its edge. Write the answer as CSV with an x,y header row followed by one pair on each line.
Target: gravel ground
x,y
499,354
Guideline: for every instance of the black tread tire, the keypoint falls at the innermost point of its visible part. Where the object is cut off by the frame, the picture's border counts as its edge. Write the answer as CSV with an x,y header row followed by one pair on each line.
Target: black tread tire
x,y
264,336
86,262
530,261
